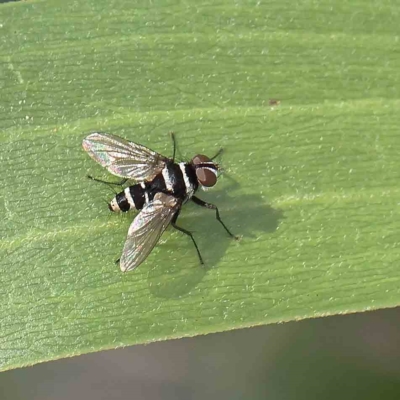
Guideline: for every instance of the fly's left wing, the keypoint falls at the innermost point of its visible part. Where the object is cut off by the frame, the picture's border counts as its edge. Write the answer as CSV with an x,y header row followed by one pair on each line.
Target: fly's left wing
x,y
123,158
146,229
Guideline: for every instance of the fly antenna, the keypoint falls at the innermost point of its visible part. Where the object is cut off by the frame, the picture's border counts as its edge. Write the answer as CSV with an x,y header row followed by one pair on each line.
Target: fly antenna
x,y
219,152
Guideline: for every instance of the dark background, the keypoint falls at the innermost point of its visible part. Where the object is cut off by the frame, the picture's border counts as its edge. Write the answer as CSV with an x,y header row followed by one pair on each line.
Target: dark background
x,y
348,357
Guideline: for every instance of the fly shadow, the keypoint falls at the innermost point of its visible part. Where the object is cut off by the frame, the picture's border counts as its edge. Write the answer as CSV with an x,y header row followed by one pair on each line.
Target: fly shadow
x,y
247,216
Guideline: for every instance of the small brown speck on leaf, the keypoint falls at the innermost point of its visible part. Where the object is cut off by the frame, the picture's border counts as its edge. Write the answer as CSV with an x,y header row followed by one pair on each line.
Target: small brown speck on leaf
x,y
274,102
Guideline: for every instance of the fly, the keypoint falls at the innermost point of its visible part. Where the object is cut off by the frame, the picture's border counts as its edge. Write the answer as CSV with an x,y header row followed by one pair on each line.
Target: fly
x,y
162,187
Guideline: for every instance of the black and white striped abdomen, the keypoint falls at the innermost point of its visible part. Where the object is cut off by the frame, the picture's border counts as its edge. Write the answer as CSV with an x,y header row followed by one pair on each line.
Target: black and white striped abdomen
x,y
178,180
133,197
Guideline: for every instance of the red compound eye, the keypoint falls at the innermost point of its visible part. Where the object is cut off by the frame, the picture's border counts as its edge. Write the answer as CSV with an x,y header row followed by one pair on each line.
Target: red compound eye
x,y
206,170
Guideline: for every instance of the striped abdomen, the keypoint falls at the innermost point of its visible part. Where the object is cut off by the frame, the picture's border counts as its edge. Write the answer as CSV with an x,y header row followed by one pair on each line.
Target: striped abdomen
x,y
133,197
176,179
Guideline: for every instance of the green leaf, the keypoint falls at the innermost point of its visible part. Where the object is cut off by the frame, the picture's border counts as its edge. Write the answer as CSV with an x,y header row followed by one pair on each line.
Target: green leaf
x,y
304,98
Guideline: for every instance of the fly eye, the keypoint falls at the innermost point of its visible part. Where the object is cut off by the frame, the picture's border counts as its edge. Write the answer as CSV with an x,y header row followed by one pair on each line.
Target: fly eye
x,y
206,170
206,176
201,159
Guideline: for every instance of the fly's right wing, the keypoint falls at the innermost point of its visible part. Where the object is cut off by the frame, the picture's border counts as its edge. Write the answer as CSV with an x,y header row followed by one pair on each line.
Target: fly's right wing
x,y
146,229
123,158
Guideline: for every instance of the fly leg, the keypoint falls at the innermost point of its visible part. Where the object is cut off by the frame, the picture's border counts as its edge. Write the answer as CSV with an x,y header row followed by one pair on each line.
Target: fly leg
x,y
186,232
174,145
210,206
109,183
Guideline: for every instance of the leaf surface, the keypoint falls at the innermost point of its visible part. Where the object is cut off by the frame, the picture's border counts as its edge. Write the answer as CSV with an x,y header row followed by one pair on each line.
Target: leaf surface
x,y
303,97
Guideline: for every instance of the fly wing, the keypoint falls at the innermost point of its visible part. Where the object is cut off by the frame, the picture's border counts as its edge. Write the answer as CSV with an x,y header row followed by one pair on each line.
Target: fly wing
x,y
146,229
123,158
